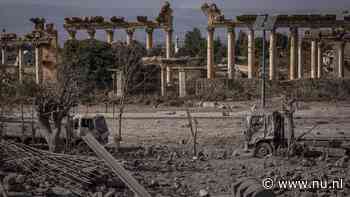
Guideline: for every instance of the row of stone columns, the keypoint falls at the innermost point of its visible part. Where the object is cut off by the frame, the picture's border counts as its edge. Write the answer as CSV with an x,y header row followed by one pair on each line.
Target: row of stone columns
x,y
182,81
20,61
296,67
129,37
165,70
231,39
296,57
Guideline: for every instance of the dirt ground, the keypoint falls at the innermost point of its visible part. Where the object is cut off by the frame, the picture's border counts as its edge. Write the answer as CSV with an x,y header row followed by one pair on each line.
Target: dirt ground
x,y
220,138
164,163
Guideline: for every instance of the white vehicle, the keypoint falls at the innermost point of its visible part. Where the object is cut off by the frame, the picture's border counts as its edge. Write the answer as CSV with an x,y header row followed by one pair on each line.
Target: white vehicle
x,y
26,132
95,124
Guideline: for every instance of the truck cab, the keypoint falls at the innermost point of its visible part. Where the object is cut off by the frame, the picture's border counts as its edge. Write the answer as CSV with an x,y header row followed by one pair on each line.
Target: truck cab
x,y
95,124
264,131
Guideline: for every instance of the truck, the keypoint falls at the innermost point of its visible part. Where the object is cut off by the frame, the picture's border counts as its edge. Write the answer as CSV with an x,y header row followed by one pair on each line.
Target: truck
x,y
29,131
265,131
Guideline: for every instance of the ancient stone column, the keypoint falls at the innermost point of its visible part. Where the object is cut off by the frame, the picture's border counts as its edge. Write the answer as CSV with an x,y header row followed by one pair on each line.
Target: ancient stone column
x,y
91,32
114,82
168,75
110,36
20,65
72,34
129,35
3,56
313,58
177,45
182,83
341,59
169,51
163,80
149,38
272,58
38,69
300,59
319,60
210,53
251,53
120,85
293,53
169,43
230,52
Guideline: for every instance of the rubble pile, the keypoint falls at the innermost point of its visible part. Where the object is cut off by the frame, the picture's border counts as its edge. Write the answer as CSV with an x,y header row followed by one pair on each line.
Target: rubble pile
x,y
37,171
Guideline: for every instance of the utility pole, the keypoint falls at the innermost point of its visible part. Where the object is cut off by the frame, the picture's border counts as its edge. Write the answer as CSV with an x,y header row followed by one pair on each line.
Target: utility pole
x,y
263,92
263,23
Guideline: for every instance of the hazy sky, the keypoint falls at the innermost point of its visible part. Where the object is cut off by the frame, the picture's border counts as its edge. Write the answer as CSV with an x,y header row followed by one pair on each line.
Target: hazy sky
x,y
235,4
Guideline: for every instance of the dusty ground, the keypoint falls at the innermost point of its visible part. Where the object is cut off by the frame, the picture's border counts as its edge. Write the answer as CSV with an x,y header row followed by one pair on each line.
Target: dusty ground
x,y
220,137
165,164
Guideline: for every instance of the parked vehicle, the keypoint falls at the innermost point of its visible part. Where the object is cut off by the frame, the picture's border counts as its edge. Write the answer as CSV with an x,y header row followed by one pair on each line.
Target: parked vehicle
x,y
265,131
27,131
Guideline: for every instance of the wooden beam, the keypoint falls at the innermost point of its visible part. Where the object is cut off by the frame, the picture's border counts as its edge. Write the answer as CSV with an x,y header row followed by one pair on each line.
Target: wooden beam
x,y
2,190
117,168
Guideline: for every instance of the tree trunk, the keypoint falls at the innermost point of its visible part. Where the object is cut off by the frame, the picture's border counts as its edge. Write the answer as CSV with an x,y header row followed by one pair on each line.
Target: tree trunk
x,y
22,120
120,119
51,134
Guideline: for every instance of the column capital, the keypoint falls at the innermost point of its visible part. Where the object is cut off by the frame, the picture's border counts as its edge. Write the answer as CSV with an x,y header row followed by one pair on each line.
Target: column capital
x,y
36,43
320,43
168,29
91,32
300,41
130,31
341,43
293,30
72,33
149,30
182,69
163,66
231,29
20,46
109,30
211,29
250,29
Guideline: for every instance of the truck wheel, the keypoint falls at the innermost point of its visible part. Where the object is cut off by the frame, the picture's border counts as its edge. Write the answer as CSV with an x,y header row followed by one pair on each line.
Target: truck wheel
x,y
263,149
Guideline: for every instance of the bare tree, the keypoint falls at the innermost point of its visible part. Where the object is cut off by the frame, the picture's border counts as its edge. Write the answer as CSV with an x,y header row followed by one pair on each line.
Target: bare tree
x,y
7,94
54,102
128,60
193,125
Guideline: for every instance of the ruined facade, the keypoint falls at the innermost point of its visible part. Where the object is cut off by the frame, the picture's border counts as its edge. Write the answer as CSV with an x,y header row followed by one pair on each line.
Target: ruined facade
x,y
216,19
43,40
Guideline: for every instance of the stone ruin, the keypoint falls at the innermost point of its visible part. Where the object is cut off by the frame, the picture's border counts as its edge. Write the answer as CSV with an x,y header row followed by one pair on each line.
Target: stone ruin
x,y
43,39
